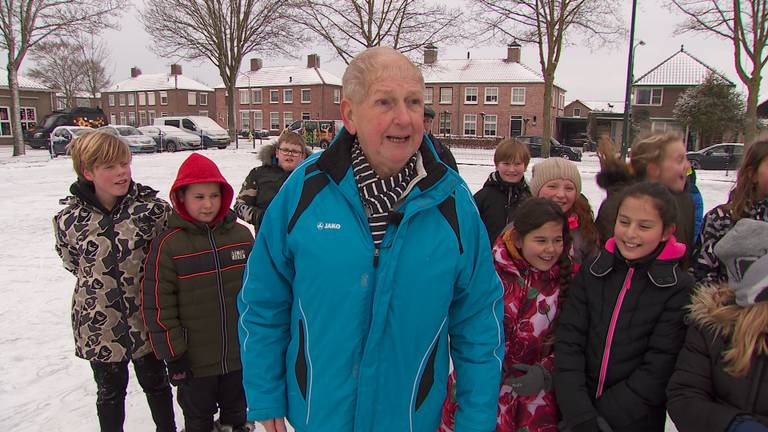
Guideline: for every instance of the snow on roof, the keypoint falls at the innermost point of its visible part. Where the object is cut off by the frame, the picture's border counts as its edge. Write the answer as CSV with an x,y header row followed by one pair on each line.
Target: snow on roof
x,y
605,106
479,71
681,69
24,83
285,76
161,81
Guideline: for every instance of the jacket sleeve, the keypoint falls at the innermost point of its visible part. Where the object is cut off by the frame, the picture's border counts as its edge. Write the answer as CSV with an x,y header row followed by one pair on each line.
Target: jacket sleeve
x,y
476,333
246,204
693,405
159,301
481,202
64,248
622,403
571,337
698,209
706,265
265,303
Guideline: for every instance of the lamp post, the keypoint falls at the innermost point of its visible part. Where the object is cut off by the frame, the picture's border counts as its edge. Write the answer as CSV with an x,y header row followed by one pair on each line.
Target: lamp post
x,y
628,89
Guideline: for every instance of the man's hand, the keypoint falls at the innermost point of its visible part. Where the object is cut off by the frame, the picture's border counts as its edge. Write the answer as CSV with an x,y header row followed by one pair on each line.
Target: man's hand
x,y
274,425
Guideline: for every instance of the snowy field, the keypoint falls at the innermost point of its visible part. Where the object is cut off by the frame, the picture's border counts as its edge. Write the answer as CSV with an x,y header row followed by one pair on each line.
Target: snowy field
x,y
43,386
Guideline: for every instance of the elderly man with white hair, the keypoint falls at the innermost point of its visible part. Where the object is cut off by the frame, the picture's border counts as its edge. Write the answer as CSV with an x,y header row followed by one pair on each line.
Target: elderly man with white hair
x,y
371,258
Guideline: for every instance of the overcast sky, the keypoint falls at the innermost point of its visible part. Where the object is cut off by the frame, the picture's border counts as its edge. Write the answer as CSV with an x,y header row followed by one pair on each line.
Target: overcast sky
x,y
587,74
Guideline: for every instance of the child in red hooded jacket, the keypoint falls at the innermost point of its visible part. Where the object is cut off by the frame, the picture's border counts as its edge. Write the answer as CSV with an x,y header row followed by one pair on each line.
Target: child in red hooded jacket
x,y
194,272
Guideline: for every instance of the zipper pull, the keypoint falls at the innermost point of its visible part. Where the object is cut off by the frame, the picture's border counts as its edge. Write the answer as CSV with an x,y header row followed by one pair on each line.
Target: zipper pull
x,y
376,258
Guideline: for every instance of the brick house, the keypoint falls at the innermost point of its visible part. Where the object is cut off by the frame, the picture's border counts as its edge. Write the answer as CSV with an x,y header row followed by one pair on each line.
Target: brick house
x,y
81,99
36,102
595,118
486,97
138,100
656,92
272,97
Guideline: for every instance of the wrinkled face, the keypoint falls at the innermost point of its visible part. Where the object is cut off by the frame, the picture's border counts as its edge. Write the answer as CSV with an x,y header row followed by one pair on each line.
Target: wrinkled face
x,y
639,228
388,122
543,246
289,156
672,170
761,179
511,171
110,180
561,191
202,201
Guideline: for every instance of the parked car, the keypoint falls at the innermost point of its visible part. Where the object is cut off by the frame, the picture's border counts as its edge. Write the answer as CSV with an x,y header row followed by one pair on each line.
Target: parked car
x,y
62,136
138,142
316,132
169,138
555,148
582,141
725,156
39,137
212,134
246,133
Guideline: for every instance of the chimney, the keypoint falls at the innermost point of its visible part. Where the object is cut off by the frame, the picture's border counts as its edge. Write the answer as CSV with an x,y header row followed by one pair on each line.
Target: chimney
x,y
175,69
313,61
256,64
430,54
513,53
135,72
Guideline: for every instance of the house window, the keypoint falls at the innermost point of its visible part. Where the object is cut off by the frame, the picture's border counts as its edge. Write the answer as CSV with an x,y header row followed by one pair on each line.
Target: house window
x,y
142,99
28,119
518,96
131,99
111,100
151,98
151,115
489,125
112,119
445,123
648,96
306,95
191,98
561,99
287,118
245,120
122,99
336,96
274,121
470,96
243,97
202,98
142,118
122,118
666,126
491,95
61,103
287,96
274,96
429,94
163,114
577,112
470,124
446,95
132,118
305,116
163,98
256,94
258,120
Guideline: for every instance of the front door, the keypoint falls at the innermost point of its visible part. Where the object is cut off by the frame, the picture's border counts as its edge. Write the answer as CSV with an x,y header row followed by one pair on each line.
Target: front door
x,y
516,126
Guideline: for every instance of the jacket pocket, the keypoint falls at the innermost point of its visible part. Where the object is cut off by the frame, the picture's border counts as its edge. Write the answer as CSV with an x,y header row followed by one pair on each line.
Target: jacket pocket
x,y
300,366
427,380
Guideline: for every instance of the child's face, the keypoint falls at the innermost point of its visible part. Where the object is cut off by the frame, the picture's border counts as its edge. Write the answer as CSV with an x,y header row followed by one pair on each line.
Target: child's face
x,y
289,156
511,171
202,201
110,180
639,228
562,192
543,246
761,179
673,169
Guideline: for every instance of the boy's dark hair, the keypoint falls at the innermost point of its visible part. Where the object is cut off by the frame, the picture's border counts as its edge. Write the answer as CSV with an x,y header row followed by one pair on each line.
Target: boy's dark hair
x,y
661,197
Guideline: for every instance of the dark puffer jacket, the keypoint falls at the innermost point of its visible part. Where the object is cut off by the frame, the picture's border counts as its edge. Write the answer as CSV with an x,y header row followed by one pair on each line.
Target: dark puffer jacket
x,y
619,334
497,201
702,395
106,250
194,273
260,187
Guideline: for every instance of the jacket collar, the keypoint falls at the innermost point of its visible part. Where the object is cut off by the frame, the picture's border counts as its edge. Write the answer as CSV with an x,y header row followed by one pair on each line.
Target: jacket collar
x,y
660,266
84,191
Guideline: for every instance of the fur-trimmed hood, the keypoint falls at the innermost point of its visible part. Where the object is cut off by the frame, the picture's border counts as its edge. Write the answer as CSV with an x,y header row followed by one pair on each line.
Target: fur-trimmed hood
x,y
268,154
707,301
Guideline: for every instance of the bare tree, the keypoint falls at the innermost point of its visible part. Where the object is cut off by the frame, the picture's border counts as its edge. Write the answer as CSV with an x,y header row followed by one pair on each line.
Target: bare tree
x,y
549,24
94,58
745,24
26,23
221,31
350,26
58,66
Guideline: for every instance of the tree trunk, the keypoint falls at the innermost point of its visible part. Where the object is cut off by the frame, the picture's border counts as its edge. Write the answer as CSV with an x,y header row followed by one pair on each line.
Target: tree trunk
x,y
231,92
13,85
750,118
546,115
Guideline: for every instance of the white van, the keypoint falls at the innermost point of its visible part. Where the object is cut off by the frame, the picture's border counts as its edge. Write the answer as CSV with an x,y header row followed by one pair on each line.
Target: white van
x,y
213,135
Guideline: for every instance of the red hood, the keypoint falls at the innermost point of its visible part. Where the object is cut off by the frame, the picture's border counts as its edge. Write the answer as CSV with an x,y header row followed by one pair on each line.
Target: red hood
x,y
199,169
673,250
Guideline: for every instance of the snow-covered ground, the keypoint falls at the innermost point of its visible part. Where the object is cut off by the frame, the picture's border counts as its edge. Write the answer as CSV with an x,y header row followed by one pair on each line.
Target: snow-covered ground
x,y
42,385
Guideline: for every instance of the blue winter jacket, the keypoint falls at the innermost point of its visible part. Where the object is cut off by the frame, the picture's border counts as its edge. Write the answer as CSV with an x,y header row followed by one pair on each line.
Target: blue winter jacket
x,y
337,339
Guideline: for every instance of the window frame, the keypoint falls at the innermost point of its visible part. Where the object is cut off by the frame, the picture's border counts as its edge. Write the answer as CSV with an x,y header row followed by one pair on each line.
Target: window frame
x,y
471,99
494,123
274,116
487,95
286,99
472,122
163,97
449,93
308,92
512,96
276,93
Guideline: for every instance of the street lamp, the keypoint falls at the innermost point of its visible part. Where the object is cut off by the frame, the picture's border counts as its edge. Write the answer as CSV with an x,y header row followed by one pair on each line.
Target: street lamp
x,y
628,89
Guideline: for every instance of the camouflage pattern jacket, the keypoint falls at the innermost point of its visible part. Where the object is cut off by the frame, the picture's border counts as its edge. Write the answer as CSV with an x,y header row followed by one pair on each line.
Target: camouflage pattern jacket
x,y
260,187
105,251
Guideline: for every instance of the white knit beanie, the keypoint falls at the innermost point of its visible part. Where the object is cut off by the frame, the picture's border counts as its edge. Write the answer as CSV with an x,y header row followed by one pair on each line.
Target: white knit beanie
x,y
554,168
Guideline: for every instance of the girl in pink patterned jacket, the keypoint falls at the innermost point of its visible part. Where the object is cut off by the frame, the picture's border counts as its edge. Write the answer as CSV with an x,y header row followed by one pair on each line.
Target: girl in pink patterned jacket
x,y
529,259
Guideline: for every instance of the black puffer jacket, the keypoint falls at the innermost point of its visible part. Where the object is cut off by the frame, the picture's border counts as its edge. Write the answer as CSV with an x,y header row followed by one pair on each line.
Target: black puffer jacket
x,y
497,201
260,187
444,153
622,326
702,395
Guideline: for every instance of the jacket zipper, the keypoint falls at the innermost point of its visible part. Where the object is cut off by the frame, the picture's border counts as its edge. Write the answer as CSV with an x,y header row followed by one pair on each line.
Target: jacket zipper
x,y
611,331
222,308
